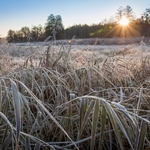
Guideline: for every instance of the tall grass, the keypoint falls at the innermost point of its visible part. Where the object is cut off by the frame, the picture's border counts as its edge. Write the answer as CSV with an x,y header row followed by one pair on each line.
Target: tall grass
x,y
57,98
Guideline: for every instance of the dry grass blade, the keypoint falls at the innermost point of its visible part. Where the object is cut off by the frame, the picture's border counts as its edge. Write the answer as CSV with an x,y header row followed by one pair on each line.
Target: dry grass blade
x,y
35,139
110,137
0,96
121,126
94,123
6,120
121,95
140,100
125,112
85,139
28,144
48,113
115,121
86,117
47,39
17,108
47,55
57,59
37,146
70,127
139,117
83,107
103,123
4,137
97,71
141,137
7,141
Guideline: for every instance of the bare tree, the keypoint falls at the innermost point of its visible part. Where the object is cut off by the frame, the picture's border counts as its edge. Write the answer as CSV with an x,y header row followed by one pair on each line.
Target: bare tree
x,y
146,16
127,11
120,13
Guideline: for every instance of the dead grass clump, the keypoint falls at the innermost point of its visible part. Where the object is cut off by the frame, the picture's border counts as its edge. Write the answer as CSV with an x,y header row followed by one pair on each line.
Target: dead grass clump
x,y
65,99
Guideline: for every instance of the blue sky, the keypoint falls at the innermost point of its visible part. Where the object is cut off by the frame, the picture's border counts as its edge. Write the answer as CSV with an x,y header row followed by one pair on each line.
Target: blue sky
x,y
15,14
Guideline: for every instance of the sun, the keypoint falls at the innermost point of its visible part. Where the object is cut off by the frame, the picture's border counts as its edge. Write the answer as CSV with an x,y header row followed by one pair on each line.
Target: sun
x,y
124,21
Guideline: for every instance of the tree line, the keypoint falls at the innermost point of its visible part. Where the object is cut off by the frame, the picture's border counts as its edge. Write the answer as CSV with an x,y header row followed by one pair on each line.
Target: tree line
x,y
107,28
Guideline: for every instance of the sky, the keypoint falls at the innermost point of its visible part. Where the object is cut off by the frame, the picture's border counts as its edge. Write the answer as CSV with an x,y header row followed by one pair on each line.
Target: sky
x,y
15,14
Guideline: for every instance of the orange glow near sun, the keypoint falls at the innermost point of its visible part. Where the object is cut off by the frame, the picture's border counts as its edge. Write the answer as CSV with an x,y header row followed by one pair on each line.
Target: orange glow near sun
x,y
124,21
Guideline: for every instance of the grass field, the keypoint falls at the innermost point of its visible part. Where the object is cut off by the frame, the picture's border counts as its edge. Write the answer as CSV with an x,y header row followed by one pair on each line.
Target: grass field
x,y
75,96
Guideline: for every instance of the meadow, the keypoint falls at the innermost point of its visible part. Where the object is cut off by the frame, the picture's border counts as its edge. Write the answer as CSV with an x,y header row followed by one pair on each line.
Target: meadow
x,y
79,94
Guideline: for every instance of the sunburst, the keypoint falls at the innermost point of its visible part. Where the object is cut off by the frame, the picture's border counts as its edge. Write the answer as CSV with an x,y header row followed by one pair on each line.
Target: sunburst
x,y
124,21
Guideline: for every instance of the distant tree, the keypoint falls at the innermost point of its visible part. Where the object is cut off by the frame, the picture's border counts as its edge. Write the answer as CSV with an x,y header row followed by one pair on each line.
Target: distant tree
x,y
10,36
36,32
53,25
120,13
146,16
111,20
127,11
0,39
25,32
19,36
15,38
103,22
40,30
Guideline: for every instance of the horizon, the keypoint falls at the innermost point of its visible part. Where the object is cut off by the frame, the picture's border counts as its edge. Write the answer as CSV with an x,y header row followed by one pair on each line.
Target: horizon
x,y
16,14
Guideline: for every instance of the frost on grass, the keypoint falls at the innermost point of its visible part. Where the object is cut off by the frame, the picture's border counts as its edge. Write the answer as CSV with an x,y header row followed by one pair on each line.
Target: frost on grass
x,y
74,96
